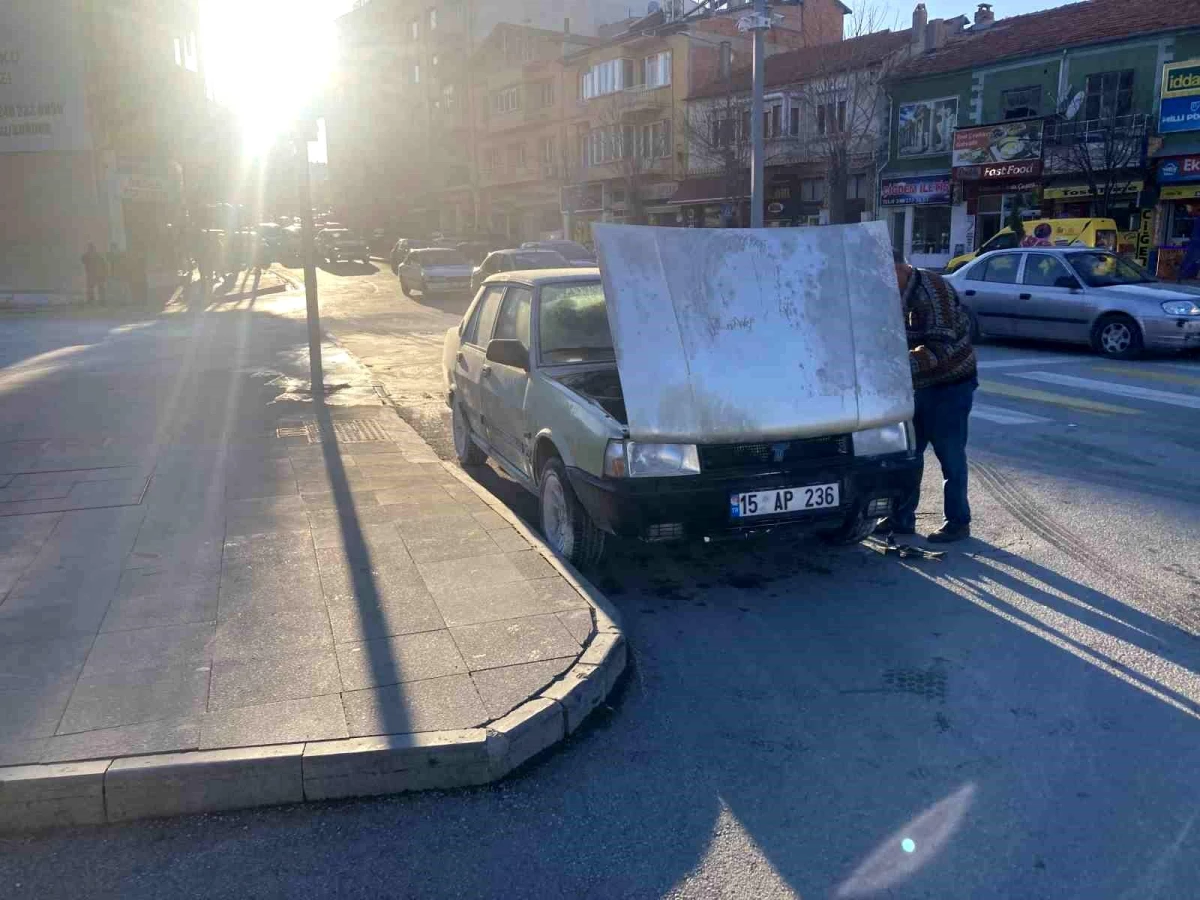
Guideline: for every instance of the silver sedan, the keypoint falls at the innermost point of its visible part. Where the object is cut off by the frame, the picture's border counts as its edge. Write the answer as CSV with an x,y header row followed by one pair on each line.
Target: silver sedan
x,y
1078,295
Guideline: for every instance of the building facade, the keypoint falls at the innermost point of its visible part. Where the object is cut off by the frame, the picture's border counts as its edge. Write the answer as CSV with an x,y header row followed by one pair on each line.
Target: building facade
x,y
101,108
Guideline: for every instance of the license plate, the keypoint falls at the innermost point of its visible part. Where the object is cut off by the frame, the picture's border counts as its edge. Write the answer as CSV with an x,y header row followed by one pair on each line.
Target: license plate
x,y
784,500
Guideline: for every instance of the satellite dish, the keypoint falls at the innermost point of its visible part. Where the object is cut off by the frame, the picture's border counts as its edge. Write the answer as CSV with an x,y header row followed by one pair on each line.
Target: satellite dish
x,y
1074,105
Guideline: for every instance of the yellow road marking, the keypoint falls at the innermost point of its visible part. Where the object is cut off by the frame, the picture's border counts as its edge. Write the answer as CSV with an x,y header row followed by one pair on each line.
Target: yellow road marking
x,y
1080,403
1152,374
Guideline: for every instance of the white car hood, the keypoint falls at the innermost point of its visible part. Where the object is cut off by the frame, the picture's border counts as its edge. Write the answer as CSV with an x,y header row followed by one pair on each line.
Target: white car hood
x,y
1159,292
727,335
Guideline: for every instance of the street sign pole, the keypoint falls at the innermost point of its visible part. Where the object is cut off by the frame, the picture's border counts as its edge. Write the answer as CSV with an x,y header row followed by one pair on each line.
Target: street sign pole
x,y
316,370
758,22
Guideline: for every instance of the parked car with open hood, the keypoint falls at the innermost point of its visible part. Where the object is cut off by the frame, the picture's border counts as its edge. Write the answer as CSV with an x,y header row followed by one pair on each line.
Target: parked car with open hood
x,y
1077,295
336,244
766,386
516,261
435,270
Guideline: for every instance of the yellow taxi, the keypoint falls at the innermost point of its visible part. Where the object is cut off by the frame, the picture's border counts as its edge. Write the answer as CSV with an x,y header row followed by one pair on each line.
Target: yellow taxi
x,y
1101,233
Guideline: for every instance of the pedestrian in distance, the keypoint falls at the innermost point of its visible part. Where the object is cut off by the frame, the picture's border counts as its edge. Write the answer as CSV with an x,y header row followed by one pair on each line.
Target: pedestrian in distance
x,y
95,271
942,362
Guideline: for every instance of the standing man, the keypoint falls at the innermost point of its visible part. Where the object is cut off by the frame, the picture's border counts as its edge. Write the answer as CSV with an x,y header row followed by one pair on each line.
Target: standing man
x,y
944,381
95,271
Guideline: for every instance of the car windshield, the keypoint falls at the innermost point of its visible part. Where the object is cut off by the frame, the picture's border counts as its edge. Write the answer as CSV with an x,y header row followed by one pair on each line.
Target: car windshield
x,y
440,258
538,259
569,249
1105,270
573,325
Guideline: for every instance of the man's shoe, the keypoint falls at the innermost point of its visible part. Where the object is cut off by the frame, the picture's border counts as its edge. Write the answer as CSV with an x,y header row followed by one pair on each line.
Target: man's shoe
x,y
887,526
949,533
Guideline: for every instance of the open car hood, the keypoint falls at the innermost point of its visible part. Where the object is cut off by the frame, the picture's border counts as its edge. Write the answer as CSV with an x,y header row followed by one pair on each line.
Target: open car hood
x,y
729,335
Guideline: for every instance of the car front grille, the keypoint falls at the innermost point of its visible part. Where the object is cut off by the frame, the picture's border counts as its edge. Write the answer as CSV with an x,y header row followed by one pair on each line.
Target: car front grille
x,y
773,456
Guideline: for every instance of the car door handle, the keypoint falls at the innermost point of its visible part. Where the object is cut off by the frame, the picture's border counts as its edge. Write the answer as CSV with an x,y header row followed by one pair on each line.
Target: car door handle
x,y
485,371
1025,296
970,293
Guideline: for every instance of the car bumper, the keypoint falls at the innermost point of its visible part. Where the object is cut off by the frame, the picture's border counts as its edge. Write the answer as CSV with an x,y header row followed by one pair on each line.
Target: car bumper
x,y
1178,333
698,506
448,287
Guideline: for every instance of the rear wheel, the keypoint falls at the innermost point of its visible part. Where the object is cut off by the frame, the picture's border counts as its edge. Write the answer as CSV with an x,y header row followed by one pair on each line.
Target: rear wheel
x,y
974,320
566,525
1117,336
465,448
856,528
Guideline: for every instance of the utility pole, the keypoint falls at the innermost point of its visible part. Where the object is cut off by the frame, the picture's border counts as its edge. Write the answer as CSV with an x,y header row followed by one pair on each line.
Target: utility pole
x,y
757,22
316,369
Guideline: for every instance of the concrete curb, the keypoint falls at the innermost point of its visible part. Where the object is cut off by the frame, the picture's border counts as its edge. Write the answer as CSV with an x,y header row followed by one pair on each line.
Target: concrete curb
x,y
169,784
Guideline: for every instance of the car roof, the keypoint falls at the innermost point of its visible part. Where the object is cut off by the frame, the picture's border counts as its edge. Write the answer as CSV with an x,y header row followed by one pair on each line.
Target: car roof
x,y
539,277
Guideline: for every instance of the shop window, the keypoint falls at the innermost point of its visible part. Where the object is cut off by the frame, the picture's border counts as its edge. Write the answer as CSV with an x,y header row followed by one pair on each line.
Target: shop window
x,y
812,190
856,187
1021,103
1108,94
1000,269
1183,219
931,229
1043,270
794,129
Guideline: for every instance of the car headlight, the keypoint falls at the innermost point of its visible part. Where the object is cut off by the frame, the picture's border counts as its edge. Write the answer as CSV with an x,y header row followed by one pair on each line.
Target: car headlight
x,y
1181,308
634,459
881,441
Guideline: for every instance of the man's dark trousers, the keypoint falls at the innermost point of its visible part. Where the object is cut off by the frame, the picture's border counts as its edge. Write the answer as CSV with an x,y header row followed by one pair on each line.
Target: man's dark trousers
x,y
940,418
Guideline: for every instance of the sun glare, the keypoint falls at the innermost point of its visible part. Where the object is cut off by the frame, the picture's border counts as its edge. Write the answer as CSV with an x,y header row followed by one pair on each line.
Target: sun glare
x,y
266,60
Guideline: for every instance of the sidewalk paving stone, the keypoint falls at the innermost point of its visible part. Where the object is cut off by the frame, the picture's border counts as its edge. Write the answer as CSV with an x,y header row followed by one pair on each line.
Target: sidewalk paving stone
x,y
33,712
399,659
487,603
282,722
166,647
509,642
294,675
251,636
32,665
579,623
433,705
152,597
455,575
134,696
503,690
162,736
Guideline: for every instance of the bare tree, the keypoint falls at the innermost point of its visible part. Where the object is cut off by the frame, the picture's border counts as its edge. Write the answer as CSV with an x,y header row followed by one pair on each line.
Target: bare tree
x,y
717,133
1097,140
620,146
843,102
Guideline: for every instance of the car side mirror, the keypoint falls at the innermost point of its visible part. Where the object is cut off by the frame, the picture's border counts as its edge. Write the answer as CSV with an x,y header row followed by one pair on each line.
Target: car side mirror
x,y
1066,281
508,353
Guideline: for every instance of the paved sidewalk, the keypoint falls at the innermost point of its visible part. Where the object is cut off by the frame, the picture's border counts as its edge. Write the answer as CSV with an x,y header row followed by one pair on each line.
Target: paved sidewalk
x,y
195,556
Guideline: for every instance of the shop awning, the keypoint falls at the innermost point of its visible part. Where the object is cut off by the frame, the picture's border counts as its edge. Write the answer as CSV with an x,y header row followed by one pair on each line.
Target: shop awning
x,y
714,189
1082,191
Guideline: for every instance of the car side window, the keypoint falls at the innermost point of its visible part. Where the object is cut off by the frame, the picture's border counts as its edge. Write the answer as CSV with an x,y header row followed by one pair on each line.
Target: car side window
x,y
1043,270
513,324
479,329
1006,241
1002,269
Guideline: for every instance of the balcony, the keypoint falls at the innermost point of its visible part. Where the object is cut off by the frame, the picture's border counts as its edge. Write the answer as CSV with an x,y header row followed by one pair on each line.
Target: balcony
x,y
1111,142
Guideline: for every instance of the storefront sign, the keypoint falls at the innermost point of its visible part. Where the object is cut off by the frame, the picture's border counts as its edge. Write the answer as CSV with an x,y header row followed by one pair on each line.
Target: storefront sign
x,y
1179,114
921,189
1029,169
1179,168
1006,142
926,126
143,188
1083,191
1180,192
583,197
41,97
1181,79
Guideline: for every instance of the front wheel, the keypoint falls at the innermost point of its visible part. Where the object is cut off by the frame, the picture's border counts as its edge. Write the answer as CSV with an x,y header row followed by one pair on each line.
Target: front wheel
x,y
566,525
856,528
976,337
1117,336
465,448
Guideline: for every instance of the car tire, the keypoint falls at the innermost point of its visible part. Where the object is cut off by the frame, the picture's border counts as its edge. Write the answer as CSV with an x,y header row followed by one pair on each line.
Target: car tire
x,y
465,448
403,286
855,529
1117,336
566,525
976,336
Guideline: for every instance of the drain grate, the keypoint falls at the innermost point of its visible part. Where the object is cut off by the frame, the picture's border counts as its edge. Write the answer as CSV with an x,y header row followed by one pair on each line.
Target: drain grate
x,y
291,432
927,683
351,431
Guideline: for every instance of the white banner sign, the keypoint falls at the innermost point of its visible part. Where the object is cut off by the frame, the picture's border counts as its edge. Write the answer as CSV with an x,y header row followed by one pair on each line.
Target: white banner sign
x,y
41,97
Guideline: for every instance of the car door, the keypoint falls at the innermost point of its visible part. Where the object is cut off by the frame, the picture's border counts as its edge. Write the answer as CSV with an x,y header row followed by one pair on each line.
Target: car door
x,y
470,362
503,387
990,288
1053,305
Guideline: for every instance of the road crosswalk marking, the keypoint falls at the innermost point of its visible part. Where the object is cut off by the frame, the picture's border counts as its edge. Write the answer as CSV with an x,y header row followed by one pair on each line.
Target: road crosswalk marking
x,y
1081,403
1188,401
1150,374
1002,416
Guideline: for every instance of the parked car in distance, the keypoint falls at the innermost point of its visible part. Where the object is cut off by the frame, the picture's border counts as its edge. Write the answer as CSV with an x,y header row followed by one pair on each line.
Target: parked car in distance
x,y
435,270
401,249
516,261
291,244
575,254
1077,295
270,236
381,243
532,382
1100,233
336,244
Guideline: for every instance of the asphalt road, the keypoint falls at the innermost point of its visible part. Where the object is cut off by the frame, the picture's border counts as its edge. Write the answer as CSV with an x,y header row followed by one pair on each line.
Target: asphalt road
x,y
1017,720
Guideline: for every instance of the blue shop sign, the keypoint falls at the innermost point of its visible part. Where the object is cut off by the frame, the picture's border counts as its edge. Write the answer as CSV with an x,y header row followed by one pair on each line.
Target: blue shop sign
x,y
1179,168
1179,114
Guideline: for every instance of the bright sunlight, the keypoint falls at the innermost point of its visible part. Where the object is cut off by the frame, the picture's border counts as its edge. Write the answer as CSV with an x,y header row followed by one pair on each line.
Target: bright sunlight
x,y
266,60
